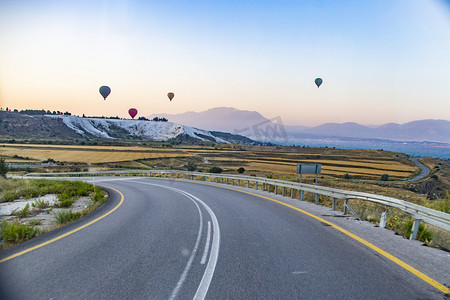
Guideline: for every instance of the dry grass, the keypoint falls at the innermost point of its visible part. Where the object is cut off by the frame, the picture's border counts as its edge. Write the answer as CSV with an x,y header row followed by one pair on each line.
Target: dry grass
x,y
86,155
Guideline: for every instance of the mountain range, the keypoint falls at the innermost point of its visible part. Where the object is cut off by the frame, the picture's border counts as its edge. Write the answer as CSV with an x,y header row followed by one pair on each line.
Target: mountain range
x,y
255,126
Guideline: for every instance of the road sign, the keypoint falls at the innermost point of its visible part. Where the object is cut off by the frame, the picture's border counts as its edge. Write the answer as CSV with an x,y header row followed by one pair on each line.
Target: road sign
x,y
309,168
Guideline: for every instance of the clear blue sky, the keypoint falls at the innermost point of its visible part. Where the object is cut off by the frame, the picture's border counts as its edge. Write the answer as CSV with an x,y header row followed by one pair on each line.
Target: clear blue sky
x,y
381,61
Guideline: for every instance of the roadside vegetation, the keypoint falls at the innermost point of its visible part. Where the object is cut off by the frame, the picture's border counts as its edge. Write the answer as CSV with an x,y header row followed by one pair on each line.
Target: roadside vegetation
x,y
26,223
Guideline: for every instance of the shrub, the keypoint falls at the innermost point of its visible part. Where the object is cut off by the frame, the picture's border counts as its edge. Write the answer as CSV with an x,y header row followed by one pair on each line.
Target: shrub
x,y
241,170
35,222
17,232
191,165
65,200
423,234
347,176
215,170
40,203
384,177
3,168
98,196
23,212
66,216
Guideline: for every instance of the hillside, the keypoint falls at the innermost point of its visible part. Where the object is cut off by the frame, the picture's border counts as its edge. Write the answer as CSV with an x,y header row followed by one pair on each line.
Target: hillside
x,y
14,125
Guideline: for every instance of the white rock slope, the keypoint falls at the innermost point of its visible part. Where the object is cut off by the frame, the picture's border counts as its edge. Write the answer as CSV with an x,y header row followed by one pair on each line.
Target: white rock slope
x,y
151,130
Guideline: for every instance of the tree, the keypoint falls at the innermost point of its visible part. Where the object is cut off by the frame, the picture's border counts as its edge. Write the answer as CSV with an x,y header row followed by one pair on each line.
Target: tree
x,y
215,170
3,168
384,177
191,165
241,170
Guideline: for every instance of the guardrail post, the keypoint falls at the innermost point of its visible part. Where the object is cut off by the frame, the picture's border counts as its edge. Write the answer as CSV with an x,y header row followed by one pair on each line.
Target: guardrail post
x,y
239,182
317,198
284,191
264,186
292,193
217,179
345,206
334,203
165,175
415,229
248,183
302,195
383,220
269,187
256,185
206,178
232,181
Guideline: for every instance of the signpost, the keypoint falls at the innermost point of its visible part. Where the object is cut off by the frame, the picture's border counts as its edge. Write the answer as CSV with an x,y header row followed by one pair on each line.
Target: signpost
x,y
309,169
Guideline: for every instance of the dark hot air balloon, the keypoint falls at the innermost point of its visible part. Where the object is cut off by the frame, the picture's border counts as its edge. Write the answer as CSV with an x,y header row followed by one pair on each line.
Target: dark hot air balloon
x,y
104,91
170,95
318,82
133,112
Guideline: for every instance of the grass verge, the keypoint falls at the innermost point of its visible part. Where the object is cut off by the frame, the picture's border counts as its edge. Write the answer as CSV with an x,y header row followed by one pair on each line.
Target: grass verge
x,y
22,228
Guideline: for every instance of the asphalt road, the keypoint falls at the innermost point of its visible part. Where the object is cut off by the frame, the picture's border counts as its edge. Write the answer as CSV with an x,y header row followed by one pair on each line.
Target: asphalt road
x,y
180,240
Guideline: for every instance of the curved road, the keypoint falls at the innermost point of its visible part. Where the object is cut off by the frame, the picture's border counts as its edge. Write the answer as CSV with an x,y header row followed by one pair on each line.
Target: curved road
x,y
424,171
179,240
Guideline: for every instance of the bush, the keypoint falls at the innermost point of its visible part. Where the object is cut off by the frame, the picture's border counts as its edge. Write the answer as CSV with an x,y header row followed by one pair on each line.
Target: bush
x,y
16,232
215,170
241,170
40,203
67,216
384,177
35,222
98,196
23,212
347,176
3,168
423,234
191,165
65,200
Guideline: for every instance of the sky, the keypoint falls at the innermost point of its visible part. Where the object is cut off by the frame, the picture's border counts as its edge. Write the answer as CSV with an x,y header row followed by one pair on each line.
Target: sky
x,y
381,61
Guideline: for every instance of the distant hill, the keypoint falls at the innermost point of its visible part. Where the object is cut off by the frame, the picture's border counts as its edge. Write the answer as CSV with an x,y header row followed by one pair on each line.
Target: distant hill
x,y
226,119
253,125
15,125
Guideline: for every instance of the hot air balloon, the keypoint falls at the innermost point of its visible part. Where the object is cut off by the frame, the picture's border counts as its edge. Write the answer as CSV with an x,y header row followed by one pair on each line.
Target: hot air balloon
x,y
318,82
133,112
170,95
104,91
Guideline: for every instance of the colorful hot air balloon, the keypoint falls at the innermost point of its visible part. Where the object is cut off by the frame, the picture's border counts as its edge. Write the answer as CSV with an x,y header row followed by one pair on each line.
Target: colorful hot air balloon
x,y
318,82
104,91
133,112
170,95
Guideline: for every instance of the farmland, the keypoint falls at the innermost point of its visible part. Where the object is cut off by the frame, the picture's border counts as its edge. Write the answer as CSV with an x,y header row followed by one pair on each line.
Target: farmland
x,y
361,164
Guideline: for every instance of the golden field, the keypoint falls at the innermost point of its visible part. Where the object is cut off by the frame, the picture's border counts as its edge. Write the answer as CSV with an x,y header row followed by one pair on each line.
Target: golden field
x,y
364,164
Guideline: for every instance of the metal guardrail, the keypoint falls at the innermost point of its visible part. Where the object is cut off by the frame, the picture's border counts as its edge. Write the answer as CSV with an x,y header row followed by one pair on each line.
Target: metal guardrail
x,y
419,213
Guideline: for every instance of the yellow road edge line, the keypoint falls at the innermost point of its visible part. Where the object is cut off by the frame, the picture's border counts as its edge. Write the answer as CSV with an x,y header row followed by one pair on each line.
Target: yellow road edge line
x,y
389,256
68,233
